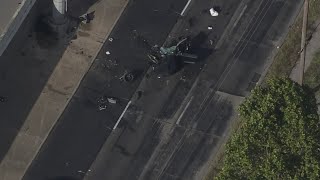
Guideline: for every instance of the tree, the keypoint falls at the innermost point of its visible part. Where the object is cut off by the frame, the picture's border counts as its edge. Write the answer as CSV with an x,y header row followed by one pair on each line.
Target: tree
x,y
279,135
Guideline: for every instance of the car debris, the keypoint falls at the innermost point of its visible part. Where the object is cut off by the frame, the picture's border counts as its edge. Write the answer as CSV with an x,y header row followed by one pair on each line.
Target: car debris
x,y
113,62
153,59
107,99
213,12
179,49
154,55
183,78
102,99
112,100
84,19
172,56
189,62
87,18
79,171
103,102
127,77
102,106
168,51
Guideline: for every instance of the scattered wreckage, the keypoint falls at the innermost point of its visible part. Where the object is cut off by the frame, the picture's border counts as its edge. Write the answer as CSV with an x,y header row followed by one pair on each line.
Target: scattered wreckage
x,y
213,12
127,76
103,102
87,18
169,55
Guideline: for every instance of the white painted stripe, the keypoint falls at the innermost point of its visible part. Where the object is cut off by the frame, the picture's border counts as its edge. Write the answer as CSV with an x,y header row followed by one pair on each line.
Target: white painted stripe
x,y
184,110
124,111
185,7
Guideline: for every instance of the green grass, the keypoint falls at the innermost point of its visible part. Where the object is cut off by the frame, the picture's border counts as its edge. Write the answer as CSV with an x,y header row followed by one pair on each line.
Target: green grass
x,y
288,53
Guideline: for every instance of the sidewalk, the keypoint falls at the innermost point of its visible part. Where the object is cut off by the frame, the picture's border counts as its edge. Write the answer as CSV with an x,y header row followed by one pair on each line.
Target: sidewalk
x,y
60,87
312,47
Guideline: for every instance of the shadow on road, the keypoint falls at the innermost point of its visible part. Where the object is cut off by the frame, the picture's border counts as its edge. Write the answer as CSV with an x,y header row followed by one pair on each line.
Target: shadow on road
x,y
27,64
198,46
201,141
63,178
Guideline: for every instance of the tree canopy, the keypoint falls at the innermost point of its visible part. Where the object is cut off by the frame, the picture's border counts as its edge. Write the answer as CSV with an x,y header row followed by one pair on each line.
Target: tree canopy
x,y
279,135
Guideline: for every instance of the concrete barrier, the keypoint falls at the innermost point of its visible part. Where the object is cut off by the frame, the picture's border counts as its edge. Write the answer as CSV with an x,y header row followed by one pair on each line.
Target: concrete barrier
x,y
15,23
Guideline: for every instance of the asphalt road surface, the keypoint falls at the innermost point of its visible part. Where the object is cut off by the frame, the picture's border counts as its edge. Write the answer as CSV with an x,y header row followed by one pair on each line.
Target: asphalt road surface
x,y
82,129
173,129
175,136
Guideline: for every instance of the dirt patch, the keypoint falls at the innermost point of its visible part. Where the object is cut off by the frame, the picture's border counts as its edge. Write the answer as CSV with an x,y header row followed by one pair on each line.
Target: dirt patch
x,y
83,34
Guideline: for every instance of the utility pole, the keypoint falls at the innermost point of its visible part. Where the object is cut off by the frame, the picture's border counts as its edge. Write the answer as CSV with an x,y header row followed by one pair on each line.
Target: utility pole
x,y
58,11
303,40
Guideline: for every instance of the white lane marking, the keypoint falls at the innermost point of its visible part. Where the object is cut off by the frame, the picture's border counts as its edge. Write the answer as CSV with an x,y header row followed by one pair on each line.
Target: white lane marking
x,y
184,110
240,15
185,7
124,111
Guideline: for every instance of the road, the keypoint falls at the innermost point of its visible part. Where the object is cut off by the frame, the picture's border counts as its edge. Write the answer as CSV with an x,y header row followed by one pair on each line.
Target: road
x,y
82,129
27,68
13,13
178,136
17,62
172,131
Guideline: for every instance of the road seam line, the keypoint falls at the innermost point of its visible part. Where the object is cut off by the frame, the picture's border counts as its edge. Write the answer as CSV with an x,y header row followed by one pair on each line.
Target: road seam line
x,y
184,110
239,17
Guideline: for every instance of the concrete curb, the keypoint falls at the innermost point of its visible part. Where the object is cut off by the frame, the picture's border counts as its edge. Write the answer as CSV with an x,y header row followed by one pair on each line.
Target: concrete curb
x,y
15,23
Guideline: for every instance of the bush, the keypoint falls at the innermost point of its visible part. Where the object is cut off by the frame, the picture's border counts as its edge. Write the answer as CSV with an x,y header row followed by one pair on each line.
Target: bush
x,y
279,135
